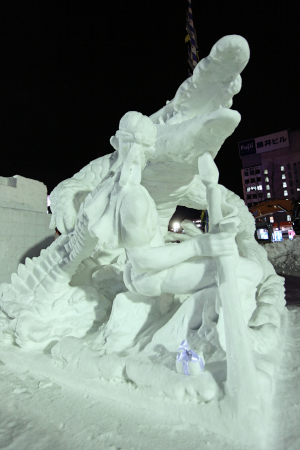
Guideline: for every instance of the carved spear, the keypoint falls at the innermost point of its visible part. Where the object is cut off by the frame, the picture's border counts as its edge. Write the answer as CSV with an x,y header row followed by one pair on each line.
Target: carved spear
x,y
242,381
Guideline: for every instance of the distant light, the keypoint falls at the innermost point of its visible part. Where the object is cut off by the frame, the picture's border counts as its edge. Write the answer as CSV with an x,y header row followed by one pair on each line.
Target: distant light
x,y
48,200
176,226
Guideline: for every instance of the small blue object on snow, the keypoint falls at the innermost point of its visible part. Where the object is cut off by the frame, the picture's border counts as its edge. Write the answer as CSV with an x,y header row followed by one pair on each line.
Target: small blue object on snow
x,y
188,362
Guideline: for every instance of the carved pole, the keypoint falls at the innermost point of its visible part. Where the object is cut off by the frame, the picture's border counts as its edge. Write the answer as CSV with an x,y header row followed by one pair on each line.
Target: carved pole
x,y
242,382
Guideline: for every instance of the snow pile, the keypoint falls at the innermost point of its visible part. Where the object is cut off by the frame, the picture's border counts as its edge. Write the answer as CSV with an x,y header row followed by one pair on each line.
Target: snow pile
x,y
285,256
284,429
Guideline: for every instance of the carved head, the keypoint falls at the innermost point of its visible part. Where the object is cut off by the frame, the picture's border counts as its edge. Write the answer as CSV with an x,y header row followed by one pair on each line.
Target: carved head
x,y
136,128
135,141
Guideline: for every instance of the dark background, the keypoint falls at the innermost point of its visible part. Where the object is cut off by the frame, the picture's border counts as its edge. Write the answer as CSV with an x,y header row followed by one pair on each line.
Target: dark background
x,y
70,70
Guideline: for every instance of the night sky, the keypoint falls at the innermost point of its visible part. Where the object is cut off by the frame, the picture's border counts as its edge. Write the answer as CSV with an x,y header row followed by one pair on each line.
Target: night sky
x,y
70,70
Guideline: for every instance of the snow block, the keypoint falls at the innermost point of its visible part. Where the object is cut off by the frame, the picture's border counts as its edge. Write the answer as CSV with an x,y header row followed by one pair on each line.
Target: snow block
x,y
24,222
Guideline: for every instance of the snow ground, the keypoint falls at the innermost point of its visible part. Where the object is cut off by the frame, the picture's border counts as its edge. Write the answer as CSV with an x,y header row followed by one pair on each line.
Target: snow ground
x,y
44,407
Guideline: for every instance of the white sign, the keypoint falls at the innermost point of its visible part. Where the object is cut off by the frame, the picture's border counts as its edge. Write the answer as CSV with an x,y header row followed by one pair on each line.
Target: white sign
x,y
272,142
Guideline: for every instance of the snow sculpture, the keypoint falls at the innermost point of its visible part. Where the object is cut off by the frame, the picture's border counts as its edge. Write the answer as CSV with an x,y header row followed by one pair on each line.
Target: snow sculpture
x,y
114,296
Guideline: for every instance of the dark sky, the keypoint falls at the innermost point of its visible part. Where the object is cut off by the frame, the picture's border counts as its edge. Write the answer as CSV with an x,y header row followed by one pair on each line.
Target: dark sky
x,y
70,70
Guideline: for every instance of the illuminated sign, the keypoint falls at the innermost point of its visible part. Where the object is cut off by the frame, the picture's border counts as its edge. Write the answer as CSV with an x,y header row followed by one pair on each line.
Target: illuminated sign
x,y
272,142
247,147
264,143
253,188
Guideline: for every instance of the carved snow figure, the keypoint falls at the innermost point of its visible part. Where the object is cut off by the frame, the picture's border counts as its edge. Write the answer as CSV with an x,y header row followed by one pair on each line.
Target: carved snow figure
x,y
216,290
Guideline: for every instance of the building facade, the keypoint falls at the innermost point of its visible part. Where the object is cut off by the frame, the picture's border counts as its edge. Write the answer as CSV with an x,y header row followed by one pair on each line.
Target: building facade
x,y
271,167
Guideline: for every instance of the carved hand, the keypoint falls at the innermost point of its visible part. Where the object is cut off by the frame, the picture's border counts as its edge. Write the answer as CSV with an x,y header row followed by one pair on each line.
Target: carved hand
x,y
219,244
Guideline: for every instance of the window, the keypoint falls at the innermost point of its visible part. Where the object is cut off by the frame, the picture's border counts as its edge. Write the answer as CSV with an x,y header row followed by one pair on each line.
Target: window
x,y
259,188
289,167
268,195
247,181
266,171
258,179
290,174
282,168
285,193
268,187
271,219
283,176
246,174
291,183
267,179
248,189
254,196
251,172
284,184
248,196
288,218
292,191
257,171
259,195
252,180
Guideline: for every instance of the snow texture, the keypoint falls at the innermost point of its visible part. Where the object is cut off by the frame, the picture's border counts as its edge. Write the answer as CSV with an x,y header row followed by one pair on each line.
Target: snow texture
x,y
285,256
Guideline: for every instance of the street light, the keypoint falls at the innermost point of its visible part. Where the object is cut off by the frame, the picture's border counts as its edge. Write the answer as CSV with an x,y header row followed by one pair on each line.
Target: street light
x,y
176,226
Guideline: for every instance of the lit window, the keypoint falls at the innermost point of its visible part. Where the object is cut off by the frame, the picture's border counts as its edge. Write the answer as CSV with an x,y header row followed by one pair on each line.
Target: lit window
x,y
259,188
268,195
248,189
271,219
266,171
288,218
282,168
268,187
285,193
298,189
267,179
283,176
284,184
